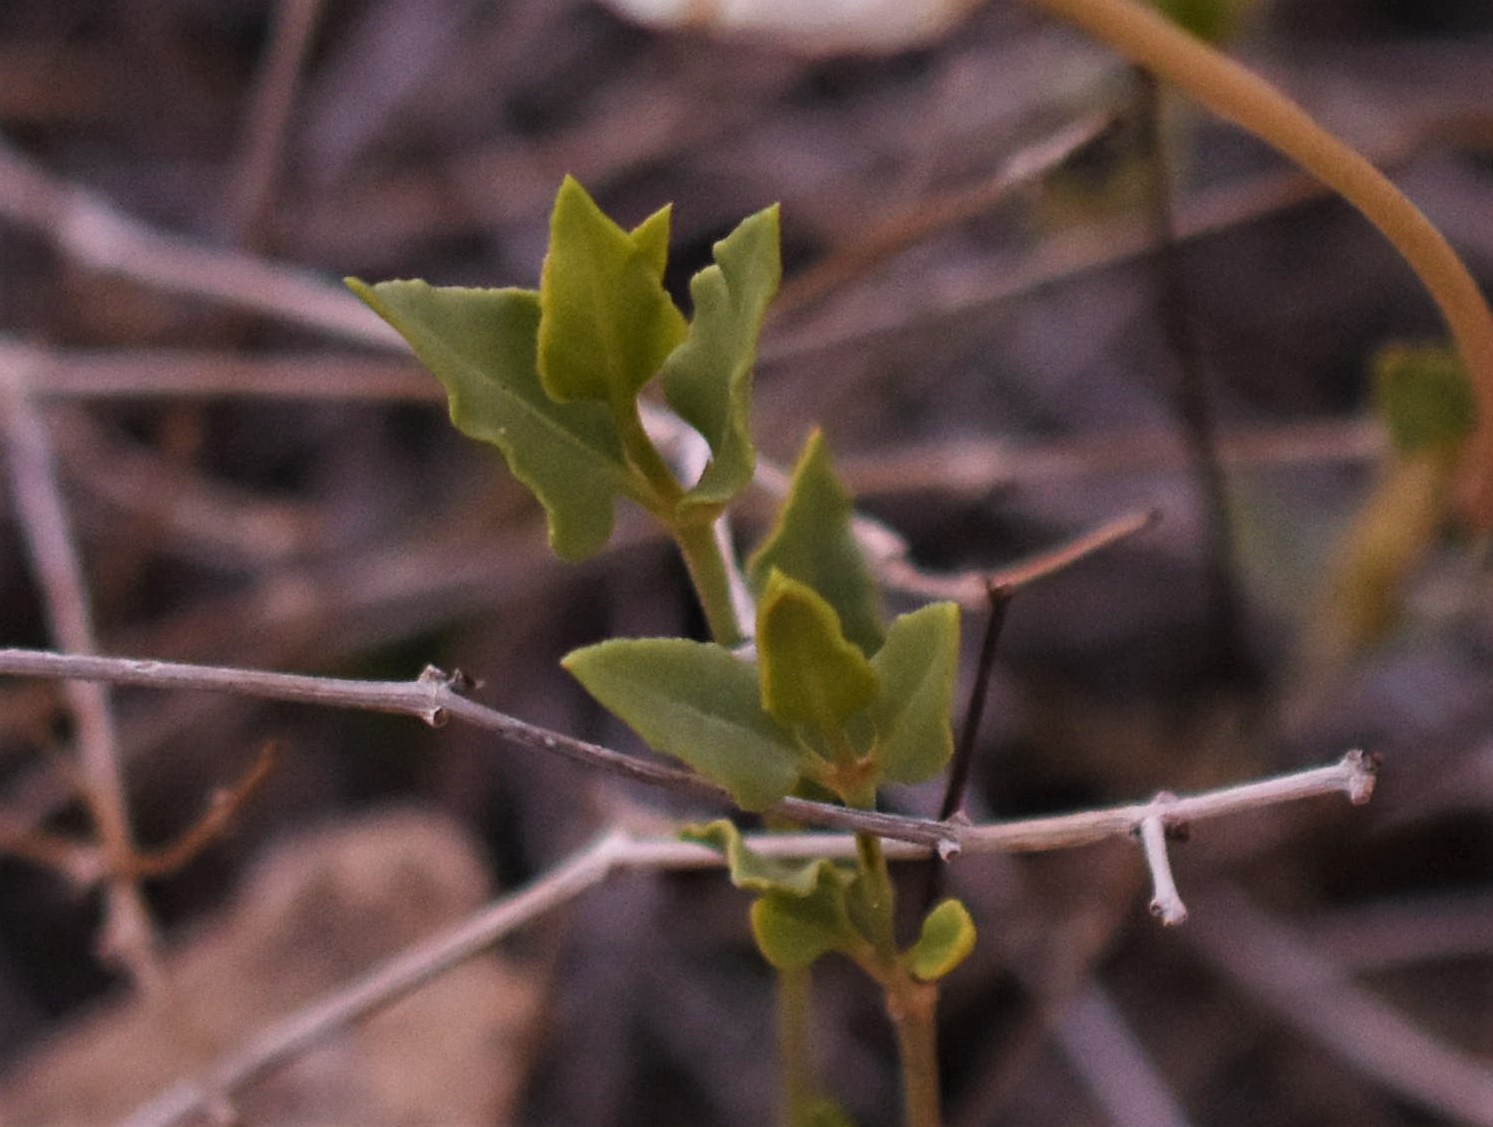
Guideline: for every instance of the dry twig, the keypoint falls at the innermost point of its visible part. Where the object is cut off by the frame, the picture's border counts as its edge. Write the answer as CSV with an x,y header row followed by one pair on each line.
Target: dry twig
x,y
128,935
617,852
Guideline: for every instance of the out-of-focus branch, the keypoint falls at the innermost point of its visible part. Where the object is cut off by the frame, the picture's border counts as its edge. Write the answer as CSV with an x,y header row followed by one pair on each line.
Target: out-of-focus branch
x,y
128,936
1317,996
99,236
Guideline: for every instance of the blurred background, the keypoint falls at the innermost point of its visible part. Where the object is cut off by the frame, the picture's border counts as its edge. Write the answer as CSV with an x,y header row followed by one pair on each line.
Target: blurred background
x,y
1015,321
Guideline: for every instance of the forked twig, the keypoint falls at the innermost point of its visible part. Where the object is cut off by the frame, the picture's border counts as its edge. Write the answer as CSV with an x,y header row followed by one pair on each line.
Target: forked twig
x,y
618,852
434,697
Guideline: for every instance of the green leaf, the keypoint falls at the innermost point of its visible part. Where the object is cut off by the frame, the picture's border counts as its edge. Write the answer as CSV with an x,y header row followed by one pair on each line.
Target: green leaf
x,y
749,869
1424,396
651,238
708,378
481,344
792,931
947,938
607,323
914,735
811,675
696,702
813,543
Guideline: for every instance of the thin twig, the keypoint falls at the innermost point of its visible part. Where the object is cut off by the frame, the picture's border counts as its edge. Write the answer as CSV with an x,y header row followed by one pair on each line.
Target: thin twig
x,y
434,698
287,1039
94,233
1104,1050
128,934
275,87
215,821
968,588
1227,656
897,233
616,852
1166,901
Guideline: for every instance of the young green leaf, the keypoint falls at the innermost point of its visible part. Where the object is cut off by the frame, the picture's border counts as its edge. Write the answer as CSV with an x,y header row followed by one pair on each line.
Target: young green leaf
x,y
811,675
696,702
651,238
813,543
708,378
914,736
607,322
792,931
947,938
1424,396
749,869
480,344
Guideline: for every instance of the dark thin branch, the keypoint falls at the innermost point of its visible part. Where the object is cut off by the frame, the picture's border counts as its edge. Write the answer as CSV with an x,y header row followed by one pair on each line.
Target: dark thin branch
x,y
1228,657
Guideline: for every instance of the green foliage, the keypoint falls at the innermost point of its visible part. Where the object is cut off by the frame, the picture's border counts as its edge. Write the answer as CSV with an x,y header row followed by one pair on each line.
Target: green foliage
x,y
811,675
708,378
1424,397
813,543
698,703
792,931
608,323
947,938
917,666
481,345
835,703
800,912
749,869
552,378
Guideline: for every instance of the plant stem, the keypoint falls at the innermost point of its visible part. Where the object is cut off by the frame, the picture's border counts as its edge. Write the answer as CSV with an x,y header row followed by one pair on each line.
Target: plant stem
x,y
1236,94
795,1061
910,1003
912,1007
711,576
660,491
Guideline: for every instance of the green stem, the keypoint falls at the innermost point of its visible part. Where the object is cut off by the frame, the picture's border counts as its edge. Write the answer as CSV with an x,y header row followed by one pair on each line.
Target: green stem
x,y
795,1064
1236,94
711,575
913,1007
660,491
880,897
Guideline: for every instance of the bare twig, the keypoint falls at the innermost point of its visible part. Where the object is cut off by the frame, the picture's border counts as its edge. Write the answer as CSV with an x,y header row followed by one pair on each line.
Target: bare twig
x,y
1102,1047
1318,997
275,87
897,233
224,806
287,1039
1166,902
128,935
887,553
96,234
434,698
1227,654
617,852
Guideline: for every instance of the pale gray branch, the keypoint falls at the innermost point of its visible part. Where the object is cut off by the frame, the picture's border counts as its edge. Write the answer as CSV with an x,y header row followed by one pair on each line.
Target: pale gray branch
x,y
128,934
433,698
618,851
